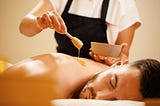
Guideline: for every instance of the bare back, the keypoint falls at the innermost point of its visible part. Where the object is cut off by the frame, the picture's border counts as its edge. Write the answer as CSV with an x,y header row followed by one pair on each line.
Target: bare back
x,y
53,75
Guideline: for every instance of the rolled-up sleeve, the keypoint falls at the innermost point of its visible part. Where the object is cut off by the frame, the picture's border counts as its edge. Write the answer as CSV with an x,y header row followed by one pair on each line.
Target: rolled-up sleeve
x,y
59,5
121,15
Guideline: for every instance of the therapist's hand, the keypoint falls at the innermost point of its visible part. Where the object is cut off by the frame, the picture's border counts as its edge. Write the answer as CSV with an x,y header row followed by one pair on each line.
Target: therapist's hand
x,y
110,61
52,20
120,60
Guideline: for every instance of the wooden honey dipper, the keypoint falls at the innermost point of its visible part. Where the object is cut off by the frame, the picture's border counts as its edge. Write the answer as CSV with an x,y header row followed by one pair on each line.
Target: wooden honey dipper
x,y
76,42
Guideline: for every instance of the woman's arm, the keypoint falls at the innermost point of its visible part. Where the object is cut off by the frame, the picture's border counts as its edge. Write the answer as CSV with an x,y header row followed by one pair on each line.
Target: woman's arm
x,y
125,38
41,17
28,25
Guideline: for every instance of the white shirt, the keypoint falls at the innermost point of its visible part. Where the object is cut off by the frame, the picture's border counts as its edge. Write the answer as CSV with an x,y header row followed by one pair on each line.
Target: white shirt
x,y
121,13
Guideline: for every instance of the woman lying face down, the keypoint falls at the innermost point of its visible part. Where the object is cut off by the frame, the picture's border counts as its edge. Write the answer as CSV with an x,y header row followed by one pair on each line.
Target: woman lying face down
x,y
56,76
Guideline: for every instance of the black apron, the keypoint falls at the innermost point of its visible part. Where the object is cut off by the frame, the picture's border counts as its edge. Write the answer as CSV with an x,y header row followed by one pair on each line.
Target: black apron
x,y
84,28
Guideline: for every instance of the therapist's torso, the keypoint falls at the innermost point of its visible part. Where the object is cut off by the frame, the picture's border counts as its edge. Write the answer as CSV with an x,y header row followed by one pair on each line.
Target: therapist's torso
x,y
87,29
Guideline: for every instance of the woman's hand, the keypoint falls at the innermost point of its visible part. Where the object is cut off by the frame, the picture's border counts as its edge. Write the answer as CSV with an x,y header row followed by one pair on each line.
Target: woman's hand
x,y
52,20
120,60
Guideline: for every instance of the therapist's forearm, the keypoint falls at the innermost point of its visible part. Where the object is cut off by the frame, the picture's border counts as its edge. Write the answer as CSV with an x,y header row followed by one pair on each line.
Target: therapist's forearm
x,y
29,26
126,36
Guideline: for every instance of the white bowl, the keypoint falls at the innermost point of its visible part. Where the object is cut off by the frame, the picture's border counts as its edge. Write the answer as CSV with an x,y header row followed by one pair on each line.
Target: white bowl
x,y
106,50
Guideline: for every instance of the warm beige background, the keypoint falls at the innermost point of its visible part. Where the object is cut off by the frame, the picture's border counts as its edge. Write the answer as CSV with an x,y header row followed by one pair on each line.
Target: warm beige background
x,y
15,47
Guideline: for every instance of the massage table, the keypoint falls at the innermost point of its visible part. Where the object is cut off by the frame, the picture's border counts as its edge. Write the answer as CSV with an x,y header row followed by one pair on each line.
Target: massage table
x,y
85,102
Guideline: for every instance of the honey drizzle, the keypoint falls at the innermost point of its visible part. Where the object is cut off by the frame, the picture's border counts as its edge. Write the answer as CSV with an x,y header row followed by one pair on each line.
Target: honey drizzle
x,y
78,53
79,60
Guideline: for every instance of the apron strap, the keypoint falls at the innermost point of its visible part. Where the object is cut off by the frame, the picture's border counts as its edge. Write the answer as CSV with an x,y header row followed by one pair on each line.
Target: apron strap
x,y
69,2
104,9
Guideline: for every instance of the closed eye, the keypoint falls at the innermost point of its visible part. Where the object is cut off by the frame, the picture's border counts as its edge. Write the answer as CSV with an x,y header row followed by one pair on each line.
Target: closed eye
x,y
113,81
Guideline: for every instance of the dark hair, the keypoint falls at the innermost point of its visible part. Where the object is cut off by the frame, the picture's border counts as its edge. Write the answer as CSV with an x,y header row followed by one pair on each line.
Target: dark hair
x,y
150,77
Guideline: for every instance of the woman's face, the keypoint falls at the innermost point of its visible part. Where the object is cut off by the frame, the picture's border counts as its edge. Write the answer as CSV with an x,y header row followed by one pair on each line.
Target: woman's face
x,y
122,83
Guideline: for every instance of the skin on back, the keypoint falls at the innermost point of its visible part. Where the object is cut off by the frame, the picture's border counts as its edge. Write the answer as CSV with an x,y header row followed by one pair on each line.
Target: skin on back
x,y
48,76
